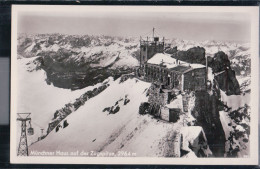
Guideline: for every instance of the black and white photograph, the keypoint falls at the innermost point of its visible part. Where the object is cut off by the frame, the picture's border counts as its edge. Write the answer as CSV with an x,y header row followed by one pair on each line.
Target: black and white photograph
x,y
134,84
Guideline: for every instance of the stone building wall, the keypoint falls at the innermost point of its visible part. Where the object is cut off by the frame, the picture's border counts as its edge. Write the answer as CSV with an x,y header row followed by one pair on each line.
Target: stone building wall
x,y
158,73
191,81
156,95
195,80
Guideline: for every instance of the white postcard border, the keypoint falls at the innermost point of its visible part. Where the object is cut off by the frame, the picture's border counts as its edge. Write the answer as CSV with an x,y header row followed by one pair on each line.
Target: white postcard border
x,y
252,160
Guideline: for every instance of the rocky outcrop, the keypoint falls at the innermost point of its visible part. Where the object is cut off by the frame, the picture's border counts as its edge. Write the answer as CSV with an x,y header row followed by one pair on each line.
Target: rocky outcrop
x,y
158,97
149,108
125,77
144,108
227,82
192,55
206,112
224,75
219,62
116,107
62,113
69,75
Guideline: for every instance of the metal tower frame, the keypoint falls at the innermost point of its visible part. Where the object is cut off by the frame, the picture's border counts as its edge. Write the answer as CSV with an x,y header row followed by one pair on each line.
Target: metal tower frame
x,y
23,147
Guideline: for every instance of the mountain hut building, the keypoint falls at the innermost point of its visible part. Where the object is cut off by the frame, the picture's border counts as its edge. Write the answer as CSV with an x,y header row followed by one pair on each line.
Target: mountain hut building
x,y
159,67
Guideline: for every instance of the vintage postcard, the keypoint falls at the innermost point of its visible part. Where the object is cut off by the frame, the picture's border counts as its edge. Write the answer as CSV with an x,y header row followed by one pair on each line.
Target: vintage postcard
x,y
134,85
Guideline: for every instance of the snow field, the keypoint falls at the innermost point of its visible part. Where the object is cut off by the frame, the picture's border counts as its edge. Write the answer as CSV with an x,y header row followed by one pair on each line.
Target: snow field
x,y
91,129
42,100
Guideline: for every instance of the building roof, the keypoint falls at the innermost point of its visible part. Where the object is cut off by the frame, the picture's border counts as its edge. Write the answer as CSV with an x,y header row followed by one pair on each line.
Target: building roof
x,y
181,68
172,63
165,59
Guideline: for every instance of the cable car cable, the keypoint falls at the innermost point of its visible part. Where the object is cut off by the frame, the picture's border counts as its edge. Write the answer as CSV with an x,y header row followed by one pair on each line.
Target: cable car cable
x,y
37,125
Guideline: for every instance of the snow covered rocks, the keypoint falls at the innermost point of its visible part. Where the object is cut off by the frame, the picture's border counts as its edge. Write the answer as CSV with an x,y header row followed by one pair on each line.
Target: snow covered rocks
x,y
114,109
71,107
194,142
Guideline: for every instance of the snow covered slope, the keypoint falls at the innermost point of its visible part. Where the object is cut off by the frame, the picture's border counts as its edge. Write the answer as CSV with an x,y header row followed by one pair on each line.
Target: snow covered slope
x,y
34,95
92,128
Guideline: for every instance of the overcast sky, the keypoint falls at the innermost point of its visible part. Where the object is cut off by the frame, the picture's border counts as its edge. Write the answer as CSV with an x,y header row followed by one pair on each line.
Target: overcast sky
x,y
194,26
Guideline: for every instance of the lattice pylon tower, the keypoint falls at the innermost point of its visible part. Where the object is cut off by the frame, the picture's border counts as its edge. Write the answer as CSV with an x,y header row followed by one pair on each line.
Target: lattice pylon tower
x,y
23,147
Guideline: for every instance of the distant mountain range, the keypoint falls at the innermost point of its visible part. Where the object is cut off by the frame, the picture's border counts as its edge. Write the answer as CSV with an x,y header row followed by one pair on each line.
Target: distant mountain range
x,y
238,53
71,59
96,51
